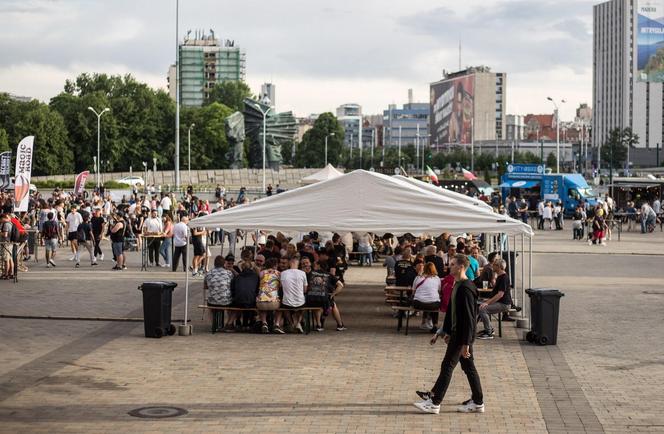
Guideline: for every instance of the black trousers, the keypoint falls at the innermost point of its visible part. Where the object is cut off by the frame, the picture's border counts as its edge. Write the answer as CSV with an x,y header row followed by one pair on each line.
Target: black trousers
x,y
180,251
97,251
153,249
452,356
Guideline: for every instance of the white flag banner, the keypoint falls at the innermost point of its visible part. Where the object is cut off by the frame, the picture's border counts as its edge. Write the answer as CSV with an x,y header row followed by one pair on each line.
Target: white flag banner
x,y
23,174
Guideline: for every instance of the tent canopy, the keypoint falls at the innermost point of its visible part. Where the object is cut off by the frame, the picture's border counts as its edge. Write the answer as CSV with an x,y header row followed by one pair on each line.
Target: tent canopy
x,y
328,172
362,201
453,195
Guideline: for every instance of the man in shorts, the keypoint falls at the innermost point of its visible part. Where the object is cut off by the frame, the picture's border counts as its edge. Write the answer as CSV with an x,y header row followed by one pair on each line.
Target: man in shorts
x,y
73,219
50,236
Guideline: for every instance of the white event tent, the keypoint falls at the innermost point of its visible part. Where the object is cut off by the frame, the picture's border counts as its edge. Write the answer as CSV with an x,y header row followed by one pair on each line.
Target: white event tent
x,y
445,192
328,172
363,201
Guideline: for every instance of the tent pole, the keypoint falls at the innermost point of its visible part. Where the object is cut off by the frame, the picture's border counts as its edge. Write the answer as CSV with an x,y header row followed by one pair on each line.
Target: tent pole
x,y
523,272
509,262
221,247
185,329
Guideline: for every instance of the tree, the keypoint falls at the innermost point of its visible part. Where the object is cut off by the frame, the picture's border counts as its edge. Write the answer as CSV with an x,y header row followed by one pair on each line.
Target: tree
x,y
4,141
614,151
287,152
311,152
209,145
231,94
551,160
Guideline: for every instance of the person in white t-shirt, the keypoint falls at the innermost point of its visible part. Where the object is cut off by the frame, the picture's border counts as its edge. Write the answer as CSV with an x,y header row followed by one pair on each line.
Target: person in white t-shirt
x,y
180,232
548,214
294,287
74,219
166,204
426,287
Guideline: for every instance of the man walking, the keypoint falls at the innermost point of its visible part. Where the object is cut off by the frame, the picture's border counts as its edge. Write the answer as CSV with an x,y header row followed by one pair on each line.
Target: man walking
x,y
73,220
458,332
180,233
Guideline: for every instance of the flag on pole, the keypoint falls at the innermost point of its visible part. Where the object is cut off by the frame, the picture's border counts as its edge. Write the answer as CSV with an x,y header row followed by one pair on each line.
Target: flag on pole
x,y
5,167
432,175
79,184
468,175
23,173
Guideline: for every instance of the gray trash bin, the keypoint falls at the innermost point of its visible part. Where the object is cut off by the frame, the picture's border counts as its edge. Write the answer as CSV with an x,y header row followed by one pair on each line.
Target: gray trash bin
x,y
544,311
157,305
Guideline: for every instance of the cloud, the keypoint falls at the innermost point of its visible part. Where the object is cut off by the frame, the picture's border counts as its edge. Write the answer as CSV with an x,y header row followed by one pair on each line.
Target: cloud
x,y
371,51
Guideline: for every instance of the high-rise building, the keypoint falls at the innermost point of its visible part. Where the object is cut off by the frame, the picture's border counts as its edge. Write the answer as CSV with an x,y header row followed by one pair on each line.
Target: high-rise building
x,y
468,105
627,76
515,128
350,118
204,62
268,91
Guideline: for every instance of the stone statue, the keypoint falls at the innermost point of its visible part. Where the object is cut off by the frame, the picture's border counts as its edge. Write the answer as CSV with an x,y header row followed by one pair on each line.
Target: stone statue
x,y
279,129
235,134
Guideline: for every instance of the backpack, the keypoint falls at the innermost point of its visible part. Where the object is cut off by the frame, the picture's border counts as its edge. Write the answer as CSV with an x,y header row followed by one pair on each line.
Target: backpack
x,y
81,234
50,230
18,233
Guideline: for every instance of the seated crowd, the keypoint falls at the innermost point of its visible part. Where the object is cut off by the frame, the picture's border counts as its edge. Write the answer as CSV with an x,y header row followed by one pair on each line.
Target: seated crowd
x,y
427,272
278,281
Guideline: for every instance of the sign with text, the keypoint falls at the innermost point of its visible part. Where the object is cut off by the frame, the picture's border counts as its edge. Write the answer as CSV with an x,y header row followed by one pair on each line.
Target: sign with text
x,y
525,171
650,41
79,183
5,167
23,174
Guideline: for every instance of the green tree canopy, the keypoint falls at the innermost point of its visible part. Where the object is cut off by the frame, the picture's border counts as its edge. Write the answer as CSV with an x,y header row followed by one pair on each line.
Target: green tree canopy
x,y
231,94
4,141
614,151
209,145
311,151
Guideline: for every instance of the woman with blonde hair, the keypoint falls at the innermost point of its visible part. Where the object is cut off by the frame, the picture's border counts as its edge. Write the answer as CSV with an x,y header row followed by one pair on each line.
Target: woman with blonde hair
x,y
426,288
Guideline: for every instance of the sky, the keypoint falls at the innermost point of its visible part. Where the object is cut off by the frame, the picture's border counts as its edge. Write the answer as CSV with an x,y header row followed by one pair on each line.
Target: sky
x,y
319,54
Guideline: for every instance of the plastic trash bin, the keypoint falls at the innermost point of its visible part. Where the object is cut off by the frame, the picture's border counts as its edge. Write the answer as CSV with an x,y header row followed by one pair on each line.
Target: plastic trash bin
x,y
544,311
157,301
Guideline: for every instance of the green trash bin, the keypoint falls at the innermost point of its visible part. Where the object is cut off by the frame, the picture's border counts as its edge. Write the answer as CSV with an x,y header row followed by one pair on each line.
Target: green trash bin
x,y
157,305
544,312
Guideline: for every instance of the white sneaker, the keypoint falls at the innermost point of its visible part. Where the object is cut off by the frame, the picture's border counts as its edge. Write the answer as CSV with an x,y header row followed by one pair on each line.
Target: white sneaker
x,y
603,243
425,326
72,258
471,407
590,242
427,407
299,329
101,258
429,323
166,265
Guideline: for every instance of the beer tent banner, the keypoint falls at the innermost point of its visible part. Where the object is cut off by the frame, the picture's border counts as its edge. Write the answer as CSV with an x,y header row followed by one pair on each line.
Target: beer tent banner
x,y
23,174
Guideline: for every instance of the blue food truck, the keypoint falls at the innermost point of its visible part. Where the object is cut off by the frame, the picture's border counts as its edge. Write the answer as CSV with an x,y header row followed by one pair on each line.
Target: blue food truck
x,y
532,182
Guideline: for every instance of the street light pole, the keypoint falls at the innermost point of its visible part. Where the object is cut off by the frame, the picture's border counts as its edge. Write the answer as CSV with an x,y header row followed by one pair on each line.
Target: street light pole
x,y
399,146
98,137
189,151
264,113
557,132
326,136
373,139
177,100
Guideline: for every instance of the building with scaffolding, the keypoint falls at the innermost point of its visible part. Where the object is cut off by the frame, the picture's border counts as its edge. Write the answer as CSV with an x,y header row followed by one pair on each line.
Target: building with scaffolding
x,y
205,61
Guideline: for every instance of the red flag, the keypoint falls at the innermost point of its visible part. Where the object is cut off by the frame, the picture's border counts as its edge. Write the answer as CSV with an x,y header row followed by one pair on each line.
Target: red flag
x,y
79,184
468,175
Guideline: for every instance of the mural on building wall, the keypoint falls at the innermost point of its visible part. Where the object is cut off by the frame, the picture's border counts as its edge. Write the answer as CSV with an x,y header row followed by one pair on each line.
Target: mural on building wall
x,y
452,105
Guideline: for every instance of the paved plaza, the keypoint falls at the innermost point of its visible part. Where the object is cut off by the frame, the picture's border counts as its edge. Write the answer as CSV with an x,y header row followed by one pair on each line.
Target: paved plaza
x,y
605,375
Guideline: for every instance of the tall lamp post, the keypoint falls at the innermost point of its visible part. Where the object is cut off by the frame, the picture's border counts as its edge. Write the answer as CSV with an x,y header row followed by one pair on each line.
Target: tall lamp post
x,y
189,150
98,136
557,132
264,113
328,135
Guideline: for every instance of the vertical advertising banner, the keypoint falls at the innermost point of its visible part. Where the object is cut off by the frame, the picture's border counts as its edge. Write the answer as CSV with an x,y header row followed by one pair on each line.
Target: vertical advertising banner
x,y
79,184
650,41
23,174
5,167
452,105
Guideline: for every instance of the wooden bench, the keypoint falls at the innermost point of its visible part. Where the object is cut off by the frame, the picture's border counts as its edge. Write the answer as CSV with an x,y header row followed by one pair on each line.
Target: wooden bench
x,y
500,320
218,314
407,310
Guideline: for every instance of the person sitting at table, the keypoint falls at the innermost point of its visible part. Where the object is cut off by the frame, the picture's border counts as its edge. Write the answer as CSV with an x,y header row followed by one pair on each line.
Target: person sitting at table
x,y
218,284
448,256
486,273
294,287
244,288
404,272
430,256
426,295
268,292
631,215
499,301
